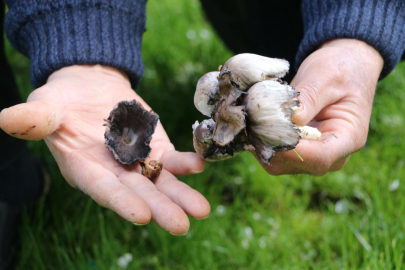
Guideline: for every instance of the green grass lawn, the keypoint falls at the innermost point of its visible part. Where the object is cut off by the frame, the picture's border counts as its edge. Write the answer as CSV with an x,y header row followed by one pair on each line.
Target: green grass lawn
x,y
344,220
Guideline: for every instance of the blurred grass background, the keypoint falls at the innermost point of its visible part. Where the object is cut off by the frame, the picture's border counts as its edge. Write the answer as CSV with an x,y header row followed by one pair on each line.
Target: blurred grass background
x,y
351,219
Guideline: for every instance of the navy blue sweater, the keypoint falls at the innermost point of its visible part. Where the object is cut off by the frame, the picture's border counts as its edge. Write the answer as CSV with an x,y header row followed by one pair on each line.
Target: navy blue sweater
x,y
59,33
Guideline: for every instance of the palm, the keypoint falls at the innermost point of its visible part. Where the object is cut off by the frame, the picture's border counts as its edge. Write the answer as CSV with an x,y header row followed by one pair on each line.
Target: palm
x,y
79,107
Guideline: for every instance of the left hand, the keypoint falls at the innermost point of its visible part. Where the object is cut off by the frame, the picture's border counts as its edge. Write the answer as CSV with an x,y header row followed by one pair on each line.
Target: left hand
x,y
68,112
337,84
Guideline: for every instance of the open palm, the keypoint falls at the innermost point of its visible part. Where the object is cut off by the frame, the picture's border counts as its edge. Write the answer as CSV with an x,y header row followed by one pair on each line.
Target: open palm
x,y
69,112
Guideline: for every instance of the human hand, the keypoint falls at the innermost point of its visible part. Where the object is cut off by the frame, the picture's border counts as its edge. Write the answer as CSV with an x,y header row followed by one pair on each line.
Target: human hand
x,y
68,112
337,85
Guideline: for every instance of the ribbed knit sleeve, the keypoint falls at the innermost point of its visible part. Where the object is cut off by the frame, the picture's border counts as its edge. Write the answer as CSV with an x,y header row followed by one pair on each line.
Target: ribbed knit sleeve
x,y
380,23
59,33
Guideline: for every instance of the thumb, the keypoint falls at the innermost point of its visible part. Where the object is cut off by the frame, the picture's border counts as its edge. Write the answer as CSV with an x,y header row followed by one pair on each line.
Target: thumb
x,y
314,97
30,121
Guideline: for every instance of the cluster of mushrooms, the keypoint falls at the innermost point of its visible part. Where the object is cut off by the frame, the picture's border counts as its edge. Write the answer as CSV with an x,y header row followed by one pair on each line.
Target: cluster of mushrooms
x,y
250,108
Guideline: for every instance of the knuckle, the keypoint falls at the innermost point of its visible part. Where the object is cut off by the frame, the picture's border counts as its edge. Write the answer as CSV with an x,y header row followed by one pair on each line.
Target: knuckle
x,y
116,199
273,169
278,170
339,165
322,166
319,173
309,94
361,142
275,172
141,218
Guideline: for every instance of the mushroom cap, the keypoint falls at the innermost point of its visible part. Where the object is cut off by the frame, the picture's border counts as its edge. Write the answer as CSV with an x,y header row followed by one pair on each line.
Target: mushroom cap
x,y
207,88
206,147
247,69
229,113
269,126
129,130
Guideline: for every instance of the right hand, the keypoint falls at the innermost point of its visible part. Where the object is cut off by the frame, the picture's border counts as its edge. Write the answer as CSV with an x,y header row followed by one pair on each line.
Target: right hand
x,y
337,84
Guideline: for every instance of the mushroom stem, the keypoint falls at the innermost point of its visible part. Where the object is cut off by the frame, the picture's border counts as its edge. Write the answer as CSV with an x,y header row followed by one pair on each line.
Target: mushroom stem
x,y
309,133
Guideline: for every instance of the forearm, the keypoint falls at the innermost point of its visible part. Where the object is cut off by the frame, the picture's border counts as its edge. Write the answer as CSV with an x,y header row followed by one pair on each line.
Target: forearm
x,y
379,23
56,34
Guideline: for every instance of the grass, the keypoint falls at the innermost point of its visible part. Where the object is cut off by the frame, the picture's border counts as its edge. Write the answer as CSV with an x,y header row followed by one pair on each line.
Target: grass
x,y
343,220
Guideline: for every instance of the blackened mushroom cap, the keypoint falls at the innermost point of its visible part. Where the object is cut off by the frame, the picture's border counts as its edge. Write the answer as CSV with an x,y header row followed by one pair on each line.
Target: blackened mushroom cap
x,y
129,132
205,146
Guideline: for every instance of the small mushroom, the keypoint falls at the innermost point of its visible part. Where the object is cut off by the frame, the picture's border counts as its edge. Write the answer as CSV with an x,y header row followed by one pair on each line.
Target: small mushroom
x,y
206,94
152,169
206,147
129,130
229,113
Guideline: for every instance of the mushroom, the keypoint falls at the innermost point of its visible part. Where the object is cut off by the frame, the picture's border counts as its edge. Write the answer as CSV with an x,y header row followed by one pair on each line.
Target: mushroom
x,y
208,149
269,108
248,69
229,113
128,133
206,94
251,109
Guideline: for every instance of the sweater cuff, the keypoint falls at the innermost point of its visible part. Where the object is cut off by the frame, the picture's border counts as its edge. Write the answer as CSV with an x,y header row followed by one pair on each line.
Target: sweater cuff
x,y
380,23
76,32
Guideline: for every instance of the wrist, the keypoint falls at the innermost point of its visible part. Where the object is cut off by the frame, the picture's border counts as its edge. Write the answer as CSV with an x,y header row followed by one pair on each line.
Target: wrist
x,y
358,51
93,72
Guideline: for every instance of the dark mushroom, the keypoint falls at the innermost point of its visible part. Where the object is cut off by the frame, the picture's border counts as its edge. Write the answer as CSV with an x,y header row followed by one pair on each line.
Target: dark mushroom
x,y
129,130
206,147
229,113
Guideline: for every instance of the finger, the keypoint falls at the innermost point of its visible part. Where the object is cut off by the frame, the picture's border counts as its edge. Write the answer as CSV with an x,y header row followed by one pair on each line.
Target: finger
x,y
277,168
322,155
30,121
339,164
104,187
315,95
165,213
190,200
179,163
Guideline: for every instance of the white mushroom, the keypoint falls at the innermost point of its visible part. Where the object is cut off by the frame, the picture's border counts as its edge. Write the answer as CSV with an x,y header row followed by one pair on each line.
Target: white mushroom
x,y
207,88
247,69
269,109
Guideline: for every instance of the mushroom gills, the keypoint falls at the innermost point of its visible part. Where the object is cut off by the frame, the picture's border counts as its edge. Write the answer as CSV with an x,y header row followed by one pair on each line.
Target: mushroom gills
x,y
129,136
129,130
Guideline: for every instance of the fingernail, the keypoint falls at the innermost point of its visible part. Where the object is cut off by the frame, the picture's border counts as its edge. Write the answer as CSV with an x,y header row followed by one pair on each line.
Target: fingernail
x,y
298,108
203,218
3,110
137,224
178,234
195,172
